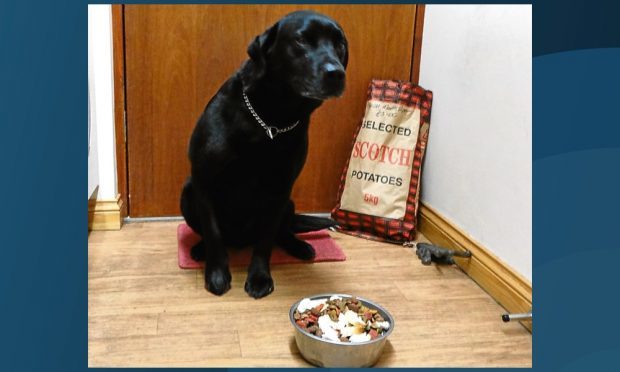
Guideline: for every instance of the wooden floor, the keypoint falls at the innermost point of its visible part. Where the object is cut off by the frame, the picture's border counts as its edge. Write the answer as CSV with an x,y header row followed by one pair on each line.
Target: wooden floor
x,y
145,311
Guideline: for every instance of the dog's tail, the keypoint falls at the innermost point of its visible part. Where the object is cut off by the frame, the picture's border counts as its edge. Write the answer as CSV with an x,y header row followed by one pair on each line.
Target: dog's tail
x,y
305,223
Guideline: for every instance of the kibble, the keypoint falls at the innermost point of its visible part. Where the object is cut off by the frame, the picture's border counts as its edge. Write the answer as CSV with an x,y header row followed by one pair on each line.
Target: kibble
x,y
348,320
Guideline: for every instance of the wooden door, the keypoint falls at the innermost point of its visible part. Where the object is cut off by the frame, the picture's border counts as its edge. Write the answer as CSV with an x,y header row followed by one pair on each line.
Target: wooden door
x,y
178,56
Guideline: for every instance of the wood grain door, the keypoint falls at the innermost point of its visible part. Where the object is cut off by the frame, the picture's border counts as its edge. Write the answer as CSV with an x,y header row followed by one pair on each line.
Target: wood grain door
x,y
176,58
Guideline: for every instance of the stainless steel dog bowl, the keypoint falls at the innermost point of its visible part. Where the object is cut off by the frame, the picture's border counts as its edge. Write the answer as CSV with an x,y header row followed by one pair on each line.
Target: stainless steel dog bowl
x,y
326,353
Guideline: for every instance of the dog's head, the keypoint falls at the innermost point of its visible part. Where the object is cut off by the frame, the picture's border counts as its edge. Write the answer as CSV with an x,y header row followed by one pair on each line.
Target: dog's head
x,y
306,50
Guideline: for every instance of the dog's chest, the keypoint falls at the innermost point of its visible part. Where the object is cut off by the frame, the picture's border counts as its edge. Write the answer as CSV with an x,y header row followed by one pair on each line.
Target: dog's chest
x,y
268,164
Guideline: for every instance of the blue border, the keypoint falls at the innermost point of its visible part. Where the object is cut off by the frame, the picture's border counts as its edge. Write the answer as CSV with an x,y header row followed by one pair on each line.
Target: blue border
x,y
43,98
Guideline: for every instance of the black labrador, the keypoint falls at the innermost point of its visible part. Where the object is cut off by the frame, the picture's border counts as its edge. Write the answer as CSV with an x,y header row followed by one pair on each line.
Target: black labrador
x,y
250,144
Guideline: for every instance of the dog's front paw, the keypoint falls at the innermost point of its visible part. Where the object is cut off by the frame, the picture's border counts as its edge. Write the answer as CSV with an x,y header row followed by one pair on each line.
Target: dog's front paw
x,y
259,285
299,249
217,281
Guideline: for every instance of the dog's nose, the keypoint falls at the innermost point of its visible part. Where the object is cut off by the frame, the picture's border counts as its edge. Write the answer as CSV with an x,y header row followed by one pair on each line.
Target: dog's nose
x,y
333,72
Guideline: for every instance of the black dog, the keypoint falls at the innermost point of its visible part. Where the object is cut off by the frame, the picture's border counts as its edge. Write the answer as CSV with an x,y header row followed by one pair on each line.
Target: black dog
x,y
250,144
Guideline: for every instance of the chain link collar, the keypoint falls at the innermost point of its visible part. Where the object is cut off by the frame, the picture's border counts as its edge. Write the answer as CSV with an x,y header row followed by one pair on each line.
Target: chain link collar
x,y
272,132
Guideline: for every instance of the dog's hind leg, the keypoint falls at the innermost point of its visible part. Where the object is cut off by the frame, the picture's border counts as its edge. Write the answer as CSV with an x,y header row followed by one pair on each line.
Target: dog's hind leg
x,y
288,241
296,247
198,252
192,219
188,206
199,215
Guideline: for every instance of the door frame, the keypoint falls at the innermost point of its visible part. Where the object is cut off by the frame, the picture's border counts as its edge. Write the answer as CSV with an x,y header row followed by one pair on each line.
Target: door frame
x,y
120,102
120,117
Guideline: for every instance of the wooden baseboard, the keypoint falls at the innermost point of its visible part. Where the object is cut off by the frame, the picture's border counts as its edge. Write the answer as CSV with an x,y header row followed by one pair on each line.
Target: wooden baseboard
x,y
105,214
505,285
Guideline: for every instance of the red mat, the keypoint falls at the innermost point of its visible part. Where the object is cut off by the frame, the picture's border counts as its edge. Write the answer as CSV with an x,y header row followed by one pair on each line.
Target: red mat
x,y
326,250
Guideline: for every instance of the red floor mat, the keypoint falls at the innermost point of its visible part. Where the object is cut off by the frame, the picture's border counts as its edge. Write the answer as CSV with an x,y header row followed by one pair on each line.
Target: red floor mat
x,y
326,250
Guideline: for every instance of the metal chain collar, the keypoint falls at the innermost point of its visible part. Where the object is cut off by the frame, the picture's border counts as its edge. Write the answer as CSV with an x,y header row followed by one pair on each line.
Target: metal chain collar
x,y
271,131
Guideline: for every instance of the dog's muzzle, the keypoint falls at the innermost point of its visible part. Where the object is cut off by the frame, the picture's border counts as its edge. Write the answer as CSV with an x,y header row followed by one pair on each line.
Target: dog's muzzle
x,y
333,79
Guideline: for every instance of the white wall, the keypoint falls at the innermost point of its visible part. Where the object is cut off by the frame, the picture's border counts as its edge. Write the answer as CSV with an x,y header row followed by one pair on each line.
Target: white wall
x,y
93,161
100,86
477,60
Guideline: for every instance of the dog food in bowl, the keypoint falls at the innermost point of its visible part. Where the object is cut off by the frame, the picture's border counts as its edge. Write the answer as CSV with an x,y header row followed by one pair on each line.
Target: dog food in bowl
x,y
339,319
340,330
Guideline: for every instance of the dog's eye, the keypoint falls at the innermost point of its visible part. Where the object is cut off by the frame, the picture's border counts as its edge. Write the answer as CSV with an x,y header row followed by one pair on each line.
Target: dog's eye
x,y
301,40
341,49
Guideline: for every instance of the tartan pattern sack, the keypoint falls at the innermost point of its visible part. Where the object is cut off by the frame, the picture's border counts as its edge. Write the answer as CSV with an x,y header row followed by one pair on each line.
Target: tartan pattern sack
x,y
380,184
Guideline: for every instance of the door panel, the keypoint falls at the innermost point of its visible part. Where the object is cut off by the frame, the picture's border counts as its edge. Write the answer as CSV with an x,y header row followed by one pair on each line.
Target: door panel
x,y
177,57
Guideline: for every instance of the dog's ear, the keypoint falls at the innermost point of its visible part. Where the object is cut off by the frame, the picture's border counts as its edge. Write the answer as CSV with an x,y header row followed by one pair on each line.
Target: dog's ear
x,y
345,44
258,49
345,60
